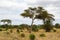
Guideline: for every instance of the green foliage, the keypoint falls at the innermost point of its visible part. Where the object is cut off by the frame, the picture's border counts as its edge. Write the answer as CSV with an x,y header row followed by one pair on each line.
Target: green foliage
x,y
28,13
6,29
40,26
3,26
42,35
6,20
48,26
0,29
22,35
10,26
15,26
32,37
6,26
57,25
22,26
34,28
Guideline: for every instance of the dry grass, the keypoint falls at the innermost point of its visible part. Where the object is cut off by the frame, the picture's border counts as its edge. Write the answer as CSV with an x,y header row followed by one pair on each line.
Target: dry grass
x,y
16,36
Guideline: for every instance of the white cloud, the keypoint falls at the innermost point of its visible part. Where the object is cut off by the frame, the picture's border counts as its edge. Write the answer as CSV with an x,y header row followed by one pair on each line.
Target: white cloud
x,y
12,4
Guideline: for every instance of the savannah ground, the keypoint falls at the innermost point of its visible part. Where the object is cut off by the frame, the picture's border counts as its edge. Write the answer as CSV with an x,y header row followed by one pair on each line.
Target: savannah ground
x,y
7,35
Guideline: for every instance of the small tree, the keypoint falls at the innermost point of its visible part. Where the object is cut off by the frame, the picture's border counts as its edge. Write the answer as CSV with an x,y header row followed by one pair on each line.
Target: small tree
x,y
57,25
46,17
32,37
42,35
6,22
34,28
48,26
22,35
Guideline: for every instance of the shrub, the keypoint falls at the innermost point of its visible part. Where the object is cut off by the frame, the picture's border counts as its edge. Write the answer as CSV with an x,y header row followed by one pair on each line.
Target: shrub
x,y
57,25
54,30
10,26
32,37
18,31
40,26
6,29
0,29
11,31
42,35
15,26
34,28
22,26
48,27
3,26
22,35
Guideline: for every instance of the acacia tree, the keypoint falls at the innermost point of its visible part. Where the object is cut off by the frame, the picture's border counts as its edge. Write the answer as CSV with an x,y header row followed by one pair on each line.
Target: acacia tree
x,y
35,13
38,13
6,21
46,17
31,13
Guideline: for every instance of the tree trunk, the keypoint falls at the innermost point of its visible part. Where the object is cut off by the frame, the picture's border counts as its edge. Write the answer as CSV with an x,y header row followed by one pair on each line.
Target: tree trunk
x,y
32,24
44,21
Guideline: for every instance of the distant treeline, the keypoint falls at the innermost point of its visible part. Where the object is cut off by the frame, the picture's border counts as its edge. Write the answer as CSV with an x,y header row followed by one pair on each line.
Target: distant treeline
x,y
57,25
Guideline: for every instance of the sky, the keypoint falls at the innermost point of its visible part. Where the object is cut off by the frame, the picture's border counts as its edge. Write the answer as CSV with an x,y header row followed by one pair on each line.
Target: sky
x,y
11,9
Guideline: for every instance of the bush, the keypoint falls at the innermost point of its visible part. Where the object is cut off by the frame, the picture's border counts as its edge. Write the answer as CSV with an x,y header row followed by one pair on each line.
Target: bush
x,y
6,29
0,29
42,35
48,27
15,26
22,35
10,26
32,37
21,31
57,25
18,31
40,26
34,28
11,31
22,26
54,30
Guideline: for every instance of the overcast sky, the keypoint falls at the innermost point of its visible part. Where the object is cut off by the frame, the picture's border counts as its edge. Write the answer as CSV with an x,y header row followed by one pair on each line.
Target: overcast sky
x,y
11,9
